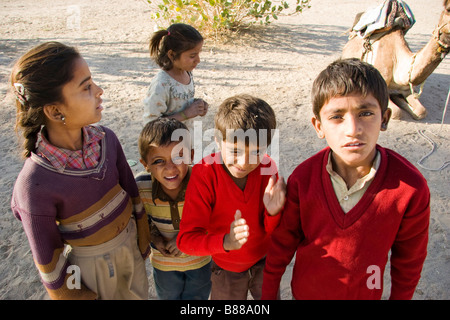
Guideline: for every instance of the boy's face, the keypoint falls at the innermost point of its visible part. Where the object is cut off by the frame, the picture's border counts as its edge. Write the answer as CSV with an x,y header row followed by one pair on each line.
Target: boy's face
x,y
169,165
351,125
240,159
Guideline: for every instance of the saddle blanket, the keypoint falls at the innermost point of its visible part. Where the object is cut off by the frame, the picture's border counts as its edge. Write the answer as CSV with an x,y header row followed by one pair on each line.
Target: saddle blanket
x,y
384,17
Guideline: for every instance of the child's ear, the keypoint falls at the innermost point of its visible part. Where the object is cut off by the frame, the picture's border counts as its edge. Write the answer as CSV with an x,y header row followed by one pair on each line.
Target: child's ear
x,y
144,164
385,119
216,140
53,113
192,155
318,127
171,55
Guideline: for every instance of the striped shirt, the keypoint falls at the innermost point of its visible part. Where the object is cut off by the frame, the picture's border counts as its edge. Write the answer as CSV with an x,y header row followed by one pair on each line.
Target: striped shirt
x,y
165,214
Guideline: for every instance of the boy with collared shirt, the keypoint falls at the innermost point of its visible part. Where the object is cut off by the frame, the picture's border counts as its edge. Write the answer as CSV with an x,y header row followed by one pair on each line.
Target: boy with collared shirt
x,y
162,188
353,202
233,200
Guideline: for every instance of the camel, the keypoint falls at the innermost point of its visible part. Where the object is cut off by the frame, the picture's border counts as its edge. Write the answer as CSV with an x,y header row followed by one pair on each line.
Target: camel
x,y
402,69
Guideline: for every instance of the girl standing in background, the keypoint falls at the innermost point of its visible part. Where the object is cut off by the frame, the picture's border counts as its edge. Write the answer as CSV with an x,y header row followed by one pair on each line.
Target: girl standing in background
x,y
171,92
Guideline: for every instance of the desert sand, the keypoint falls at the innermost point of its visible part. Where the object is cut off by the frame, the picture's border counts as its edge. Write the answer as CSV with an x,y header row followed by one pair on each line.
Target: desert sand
x,y
276,63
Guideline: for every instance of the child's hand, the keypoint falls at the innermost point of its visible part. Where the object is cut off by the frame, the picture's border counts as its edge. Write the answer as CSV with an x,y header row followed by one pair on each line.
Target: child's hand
x,y
204,110
238,235
160,245
172,248
198,108
275,195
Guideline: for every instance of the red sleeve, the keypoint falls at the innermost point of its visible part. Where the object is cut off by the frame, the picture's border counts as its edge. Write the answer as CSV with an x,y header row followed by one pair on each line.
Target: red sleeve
x,y
193,237
267,170
271,222
410,246
285,240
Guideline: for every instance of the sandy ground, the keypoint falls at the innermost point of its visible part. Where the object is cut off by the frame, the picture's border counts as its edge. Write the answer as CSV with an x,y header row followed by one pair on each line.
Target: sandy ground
x,y
277,64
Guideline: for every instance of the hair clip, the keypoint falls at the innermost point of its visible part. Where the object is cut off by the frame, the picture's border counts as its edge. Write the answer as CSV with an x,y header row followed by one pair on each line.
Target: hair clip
x,y
19,88
20,93
168,33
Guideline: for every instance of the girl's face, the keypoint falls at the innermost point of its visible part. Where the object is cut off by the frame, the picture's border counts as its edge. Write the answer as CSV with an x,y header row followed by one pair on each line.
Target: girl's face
x,y
82,102
188,60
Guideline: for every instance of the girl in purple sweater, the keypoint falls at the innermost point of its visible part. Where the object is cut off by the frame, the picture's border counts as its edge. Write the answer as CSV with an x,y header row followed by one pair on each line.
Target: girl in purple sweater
x,y
76,195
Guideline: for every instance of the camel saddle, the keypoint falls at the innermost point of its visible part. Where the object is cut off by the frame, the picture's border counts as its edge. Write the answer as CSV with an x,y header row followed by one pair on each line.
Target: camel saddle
x,y
378,21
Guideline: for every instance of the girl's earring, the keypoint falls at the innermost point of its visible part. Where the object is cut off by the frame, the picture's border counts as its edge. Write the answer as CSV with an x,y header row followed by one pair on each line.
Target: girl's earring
x,y
63,119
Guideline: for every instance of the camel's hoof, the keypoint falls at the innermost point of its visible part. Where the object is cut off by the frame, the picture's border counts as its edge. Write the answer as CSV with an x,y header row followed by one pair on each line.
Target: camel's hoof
x,y
415,114
415,108
420,116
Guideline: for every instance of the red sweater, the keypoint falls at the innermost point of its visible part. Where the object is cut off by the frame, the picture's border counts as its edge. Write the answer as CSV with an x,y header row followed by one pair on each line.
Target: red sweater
x,y
211,201
337,253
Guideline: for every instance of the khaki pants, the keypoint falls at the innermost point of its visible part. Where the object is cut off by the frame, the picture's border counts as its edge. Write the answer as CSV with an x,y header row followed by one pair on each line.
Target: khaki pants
x,y
228,285
114,269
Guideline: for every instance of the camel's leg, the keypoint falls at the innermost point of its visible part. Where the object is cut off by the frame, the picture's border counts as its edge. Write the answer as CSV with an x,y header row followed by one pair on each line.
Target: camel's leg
x,y
417,110
394,101
410,104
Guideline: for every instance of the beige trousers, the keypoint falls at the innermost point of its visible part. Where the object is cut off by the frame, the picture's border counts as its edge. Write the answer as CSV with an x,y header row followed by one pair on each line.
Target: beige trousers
x,y
115,269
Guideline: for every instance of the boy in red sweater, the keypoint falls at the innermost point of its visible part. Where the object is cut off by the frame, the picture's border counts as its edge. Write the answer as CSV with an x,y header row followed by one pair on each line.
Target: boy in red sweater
x,y
353,202
233,199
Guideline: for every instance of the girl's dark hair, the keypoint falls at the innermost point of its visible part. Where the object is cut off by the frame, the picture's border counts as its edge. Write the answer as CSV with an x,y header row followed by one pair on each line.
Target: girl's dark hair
x,y
37,79
345,76
179,37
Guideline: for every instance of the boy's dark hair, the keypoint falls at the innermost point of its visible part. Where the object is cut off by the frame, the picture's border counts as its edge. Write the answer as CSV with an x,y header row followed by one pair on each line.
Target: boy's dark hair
x,y
159,133
37,79
346,76
179,37
245,112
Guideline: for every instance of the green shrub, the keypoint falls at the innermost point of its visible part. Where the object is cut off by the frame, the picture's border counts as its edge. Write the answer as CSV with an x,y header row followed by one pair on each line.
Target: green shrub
x,y
214,17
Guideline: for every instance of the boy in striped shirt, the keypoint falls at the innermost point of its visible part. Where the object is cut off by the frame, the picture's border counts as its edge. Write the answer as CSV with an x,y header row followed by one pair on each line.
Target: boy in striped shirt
x,y
177,276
